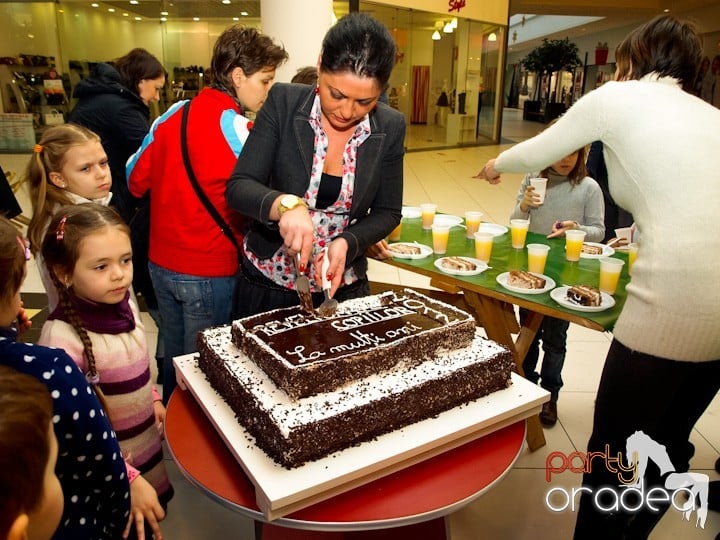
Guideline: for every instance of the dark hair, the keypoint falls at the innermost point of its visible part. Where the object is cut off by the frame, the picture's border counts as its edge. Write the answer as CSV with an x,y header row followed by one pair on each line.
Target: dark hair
x,y
61,251
361,45
305,75
245,48
136,66
667,46
25,419
12,261
49,157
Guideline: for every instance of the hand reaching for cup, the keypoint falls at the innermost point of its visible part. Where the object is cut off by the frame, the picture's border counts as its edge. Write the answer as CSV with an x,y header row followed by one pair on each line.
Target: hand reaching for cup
x,y
559,228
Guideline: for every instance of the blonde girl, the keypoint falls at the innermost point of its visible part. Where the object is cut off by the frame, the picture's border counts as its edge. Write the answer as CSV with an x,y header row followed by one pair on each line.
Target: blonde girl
x,y
68,166
88,254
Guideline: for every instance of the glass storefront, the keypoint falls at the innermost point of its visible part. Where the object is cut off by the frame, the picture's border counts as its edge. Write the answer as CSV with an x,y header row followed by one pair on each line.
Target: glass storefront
x,y
447,80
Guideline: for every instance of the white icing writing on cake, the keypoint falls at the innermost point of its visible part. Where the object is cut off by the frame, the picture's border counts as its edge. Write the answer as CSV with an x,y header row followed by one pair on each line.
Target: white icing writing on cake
x,y
300,349
420,307
371,317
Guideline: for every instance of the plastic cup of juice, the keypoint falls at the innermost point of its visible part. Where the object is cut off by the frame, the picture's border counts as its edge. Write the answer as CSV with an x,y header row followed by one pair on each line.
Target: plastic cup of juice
x,y
518,231
394,236
483,245
440,236
632,255
428,215
573,244
610,269
472,222
537,257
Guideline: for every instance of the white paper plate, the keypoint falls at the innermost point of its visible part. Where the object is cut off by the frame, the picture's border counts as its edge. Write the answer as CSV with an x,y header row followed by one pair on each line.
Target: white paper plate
x,y
560,296
502,279
424,251
607,251
411,212
494,228
481,267
447,220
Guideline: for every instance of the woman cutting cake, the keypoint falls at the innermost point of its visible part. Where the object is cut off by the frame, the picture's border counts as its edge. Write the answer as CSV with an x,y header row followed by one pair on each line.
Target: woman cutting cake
x,y
323,166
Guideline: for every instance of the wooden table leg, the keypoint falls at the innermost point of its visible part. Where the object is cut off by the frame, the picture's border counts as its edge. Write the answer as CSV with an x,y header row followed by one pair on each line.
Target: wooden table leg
x,y
498,328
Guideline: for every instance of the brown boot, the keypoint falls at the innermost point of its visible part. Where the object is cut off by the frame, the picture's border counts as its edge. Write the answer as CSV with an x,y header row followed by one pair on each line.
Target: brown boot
x,y
548,415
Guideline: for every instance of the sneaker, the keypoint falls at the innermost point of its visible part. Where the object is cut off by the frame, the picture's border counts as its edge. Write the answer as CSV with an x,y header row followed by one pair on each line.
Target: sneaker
x,y
548,415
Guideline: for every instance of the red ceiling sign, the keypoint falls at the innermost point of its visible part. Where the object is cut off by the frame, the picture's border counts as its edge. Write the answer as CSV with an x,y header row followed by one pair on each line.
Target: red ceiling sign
x,y
455,5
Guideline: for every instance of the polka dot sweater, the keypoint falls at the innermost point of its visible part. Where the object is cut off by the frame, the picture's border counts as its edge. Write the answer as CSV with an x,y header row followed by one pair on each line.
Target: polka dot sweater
x,y
90,465
123,364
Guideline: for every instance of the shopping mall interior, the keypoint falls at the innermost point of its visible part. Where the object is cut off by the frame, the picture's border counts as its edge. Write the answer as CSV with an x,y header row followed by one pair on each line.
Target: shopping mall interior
x,y
447,142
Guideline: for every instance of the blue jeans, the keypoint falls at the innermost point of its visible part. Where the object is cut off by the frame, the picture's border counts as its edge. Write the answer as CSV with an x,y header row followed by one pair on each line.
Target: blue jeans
x,y
187,304
553,333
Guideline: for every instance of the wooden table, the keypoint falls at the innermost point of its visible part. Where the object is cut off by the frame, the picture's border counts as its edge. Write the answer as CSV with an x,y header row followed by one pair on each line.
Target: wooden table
x,y
413,501
492,304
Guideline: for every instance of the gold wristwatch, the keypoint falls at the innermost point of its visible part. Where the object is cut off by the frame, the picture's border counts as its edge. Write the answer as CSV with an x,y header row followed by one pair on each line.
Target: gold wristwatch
x,y
288,202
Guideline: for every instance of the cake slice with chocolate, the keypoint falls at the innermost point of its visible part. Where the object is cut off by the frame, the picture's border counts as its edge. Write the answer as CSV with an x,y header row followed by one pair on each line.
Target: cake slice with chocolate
x,y
404,249
525,280
584,295
458,263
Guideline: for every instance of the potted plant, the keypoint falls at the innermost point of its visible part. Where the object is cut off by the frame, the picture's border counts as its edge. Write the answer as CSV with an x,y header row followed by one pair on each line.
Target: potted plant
x,y
552,56
601,53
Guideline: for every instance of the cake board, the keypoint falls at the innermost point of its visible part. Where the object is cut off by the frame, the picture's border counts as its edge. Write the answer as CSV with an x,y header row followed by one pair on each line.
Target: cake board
x,y
280,491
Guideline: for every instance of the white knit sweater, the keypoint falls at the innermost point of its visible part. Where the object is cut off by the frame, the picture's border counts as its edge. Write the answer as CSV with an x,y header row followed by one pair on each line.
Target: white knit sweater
x,y
662,151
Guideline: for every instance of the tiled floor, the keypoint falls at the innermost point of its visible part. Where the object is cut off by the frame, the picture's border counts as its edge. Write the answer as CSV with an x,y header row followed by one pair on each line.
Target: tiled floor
x,y
515,508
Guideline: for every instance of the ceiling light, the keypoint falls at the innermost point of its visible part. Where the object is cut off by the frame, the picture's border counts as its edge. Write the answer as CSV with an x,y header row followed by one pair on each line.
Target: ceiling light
x,y
454,22
126,14
196,19
95,4
436,35
448,28
492,36
164,13
163,19
226,1
111,10
244,13
138,18
236,18
134,2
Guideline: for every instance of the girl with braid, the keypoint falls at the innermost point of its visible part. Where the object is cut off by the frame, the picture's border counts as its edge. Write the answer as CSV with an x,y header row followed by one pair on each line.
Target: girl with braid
x,y
89,463
89,258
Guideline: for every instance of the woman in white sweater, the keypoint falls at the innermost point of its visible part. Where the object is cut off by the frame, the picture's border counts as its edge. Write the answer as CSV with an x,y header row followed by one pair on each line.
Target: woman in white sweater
x,y
662,150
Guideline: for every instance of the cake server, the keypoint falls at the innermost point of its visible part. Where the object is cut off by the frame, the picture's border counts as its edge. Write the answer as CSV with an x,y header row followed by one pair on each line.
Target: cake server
x,y
328,307
302,284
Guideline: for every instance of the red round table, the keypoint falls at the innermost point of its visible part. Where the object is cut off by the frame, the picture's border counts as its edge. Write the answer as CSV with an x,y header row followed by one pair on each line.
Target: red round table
x,y
413,501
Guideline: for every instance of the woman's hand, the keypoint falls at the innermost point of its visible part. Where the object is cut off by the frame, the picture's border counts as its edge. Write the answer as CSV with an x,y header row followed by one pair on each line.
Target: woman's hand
x,y
530,199
337,252
159,410
559,228
144,506
379,251
489,173
298,232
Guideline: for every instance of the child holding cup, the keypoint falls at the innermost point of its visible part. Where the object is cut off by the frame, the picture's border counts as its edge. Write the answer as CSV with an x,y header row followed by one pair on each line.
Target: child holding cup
x,y
572,200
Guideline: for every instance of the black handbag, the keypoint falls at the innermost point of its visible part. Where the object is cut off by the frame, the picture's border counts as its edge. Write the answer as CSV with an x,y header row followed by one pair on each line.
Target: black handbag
x,y
198,190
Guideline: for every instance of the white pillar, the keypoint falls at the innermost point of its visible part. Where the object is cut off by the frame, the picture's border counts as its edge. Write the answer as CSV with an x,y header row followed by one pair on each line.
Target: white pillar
x,y
300,27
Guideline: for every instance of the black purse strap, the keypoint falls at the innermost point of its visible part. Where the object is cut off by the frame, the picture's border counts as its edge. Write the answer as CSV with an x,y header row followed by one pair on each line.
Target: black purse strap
x,y
198,190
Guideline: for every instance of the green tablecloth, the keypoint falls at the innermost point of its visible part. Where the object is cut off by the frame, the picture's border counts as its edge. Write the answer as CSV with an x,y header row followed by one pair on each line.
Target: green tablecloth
x,y
505,257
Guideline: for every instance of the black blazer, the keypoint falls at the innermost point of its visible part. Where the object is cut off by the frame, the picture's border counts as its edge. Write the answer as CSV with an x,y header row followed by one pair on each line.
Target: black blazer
x,y
277,158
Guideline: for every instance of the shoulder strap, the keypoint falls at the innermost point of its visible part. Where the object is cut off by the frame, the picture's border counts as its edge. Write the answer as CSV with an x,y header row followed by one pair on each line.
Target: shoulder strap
x,y
198,190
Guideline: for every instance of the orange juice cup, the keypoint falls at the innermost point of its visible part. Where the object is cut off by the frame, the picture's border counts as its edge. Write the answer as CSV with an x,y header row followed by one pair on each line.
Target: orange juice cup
x,y
472,222
428,215
573,244
537,257
610,269
394,236
632,255
483,245
440,236
518,231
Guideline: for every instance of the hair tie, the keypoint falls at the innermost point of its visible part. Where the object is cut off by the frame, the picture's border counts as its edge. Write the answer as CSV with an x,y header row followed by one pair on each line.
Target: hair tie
x,y
60,231
38,148
92,378
24,248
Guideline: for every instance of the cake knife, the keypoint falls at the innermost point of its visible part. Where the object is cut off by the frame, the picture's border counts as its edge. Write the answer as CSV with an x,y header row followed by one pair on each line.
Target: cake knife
x,y
328,307
302,284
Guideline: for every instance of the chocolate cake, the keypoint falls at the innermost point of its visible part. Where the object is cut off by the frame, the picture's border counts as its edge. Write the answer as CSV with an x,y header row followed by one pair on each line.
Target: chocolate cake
x,y
294,431
305,354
